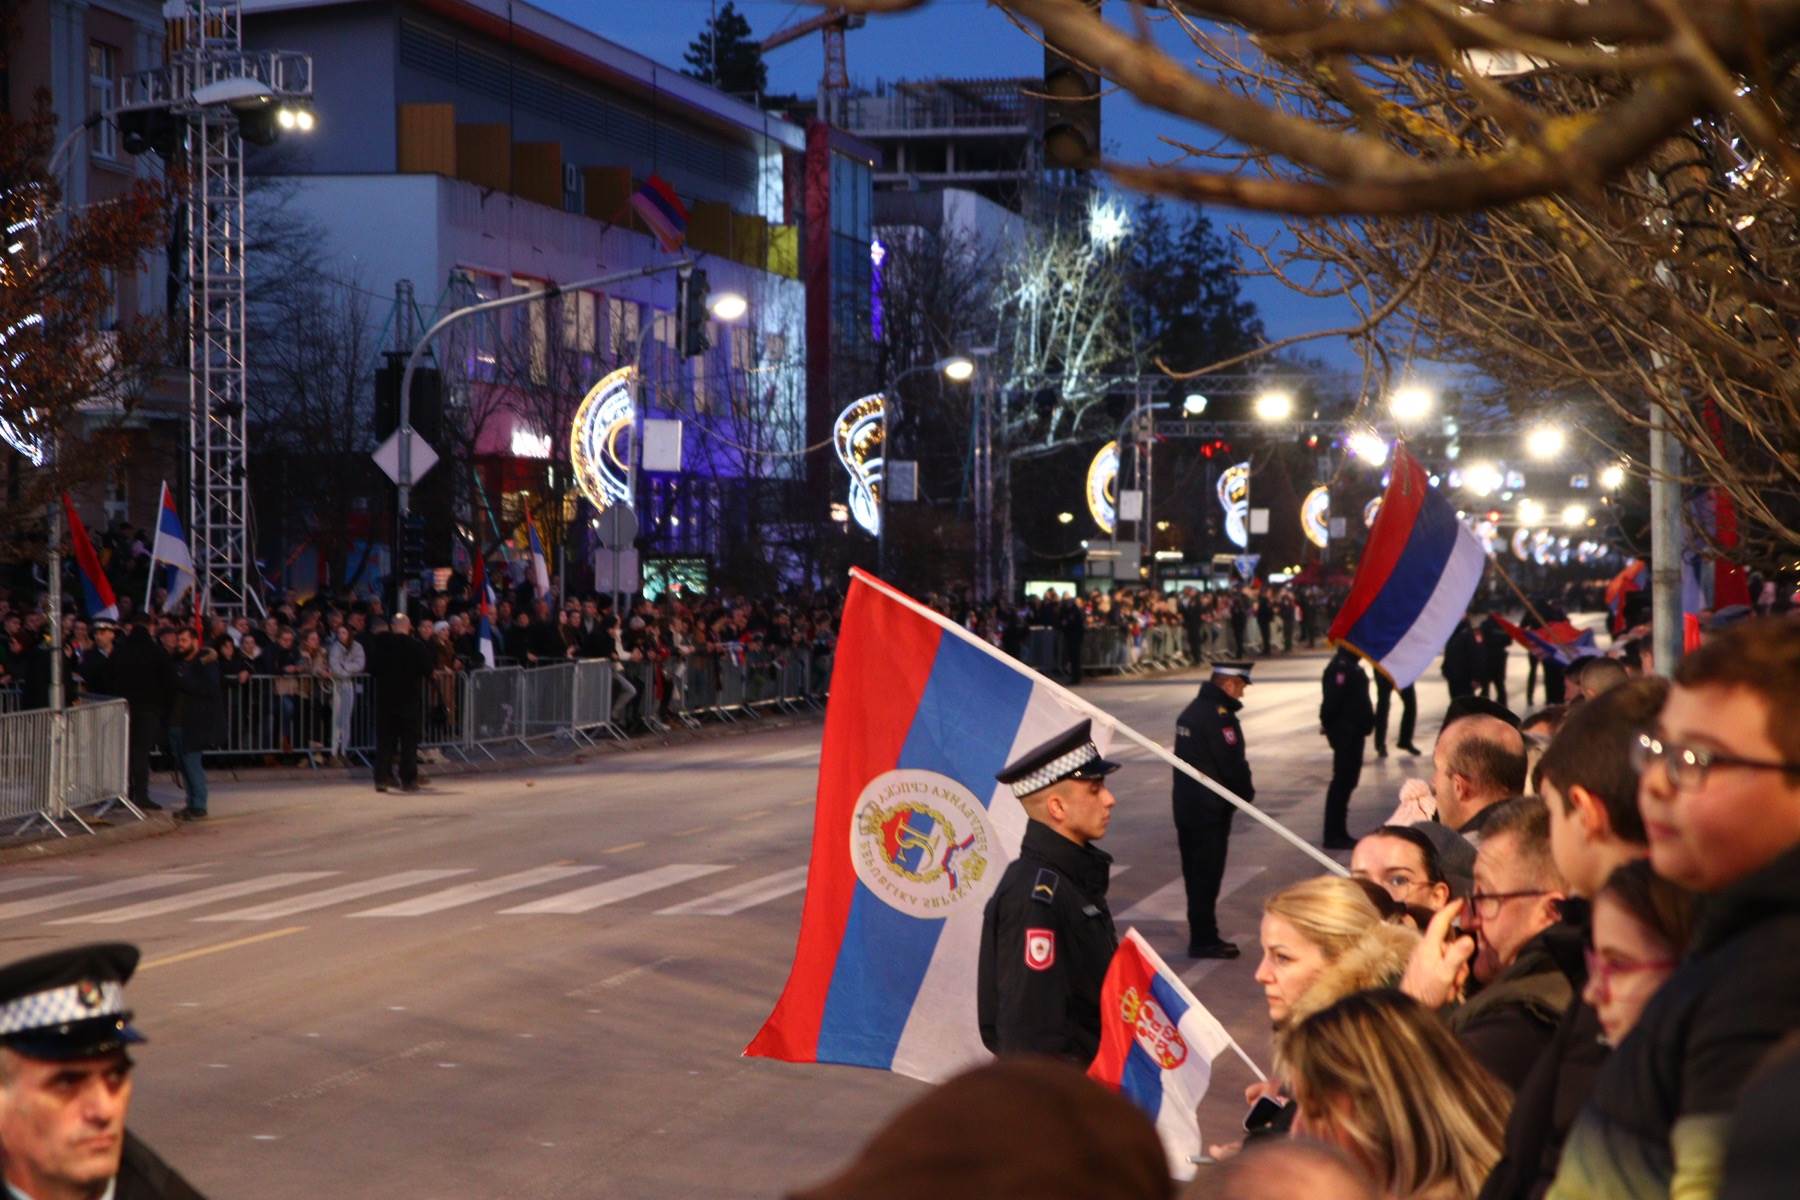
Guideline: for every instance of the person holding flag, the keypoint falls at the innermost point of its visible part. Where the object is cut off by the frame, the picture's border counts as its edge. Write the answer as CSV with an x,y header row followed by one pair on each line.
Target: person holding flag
x,y
170,548
1047,936
95,587
483,592
540,564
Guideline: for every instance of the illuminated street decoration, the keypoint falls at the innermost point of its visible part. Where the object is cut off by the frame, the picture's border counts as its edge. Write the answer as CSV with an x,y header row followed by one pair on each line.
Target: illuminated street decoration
x,y
858,436
1369,511
1234,498
1103,487
1488,534
16,247
1315,516
1521,544
600,440
1543,547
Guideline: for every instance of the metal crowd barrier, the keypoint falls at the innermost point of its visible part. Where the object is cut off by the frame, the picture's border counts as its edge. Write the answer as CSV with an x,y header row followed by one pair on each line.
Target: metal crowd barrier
x,y
10,700
53,765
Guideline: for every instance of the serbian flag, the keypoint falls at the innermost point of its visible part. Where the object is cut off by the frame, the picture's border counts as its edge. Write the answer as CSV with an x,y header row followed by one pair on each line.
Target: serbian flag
x,y
910,836
171,549
540,565
657,205
1419,570
1630,580
1558,641
100,599
484,605
1157,1045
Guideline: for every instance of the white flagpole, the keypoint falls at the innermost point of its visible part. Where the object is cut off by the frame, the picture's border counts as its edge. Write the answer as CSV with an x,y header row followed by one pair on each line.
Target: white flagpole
x,y
155,526
1104,717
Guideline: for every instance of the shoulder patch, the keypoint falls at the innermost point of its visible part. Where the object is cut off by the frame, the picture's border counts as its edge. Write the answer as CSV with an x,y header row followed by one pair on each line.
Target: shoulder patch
x,y
1043,888
1223,711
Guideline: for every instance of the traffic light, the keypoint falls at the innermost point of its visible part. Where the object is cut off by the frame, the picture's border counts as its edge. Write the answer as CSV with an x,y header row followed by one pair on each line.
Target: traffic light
x,y
412,544
690,310
1071,110
151,130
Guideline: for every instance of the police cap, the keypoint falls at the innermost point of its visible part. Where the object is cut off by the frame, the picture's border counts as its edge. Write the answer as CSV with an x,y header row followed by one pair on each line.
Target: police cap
x,y
1236,669
68,1003
1071,754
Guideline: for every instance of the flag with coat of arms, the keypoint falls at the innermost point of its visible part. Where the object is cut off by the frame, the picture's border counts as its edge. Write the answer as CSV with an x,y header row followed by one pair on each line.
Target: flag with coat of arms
x,y
1157,1045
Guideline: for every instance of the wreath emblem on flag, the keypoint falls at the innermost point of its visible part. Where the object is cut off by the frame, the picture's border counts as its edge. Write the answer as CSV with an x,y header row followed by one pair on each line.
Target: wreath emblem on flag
x,y
920,841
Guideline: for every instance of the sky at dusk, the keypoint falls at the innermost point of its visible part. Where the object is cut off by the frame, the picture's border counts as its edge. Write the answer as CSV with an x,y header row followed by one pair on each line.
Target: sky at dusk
x,y
956,38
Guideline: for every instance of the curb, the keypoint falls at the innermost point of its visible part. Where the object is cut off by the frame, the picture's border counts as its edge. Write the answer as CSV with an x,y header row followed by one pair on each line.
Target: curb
x,y
154,824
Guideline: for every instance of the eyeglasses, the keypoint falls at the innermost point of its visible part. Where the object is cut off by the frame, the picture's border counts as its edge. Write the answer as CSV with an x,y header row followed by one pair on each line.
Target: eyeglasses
x,y
1687,766
1487,904
1601,971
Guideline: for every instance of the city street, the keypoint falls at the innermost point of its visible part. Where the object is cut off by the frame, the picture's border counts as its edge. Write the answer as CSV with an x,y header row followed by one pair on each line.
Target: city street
x,y
538,984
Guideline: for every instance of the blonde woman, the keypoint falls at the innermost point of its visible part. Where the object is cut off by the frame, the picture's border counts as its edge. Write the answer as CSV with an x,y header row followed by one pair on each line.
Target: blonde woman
x,y
1378,1076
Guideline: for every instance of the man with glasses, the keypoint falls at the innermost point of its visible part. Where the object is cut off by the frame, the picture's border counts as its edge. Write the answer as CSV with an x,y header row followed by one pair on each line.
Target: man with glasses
x,y
1720,801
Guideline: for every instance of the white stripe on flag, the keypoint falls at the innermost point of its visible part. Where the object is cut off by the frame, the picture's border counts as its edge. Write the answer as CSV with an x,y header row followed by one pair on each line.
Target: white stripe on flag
x,y
1449,601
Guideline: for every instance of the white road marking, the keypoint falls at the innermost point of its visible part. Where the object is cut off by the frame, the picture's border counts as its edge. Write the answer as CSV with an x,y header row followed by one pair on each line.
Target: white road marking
x,y
469,893
614,890
1169,902
744,895
26,882
97,891
336,895
199,899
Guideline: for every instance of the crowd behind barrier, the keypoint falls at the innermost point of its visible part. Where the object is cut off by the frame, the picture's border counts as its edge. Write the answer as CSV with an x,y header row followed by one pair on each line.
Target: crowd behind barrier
x,y
55,765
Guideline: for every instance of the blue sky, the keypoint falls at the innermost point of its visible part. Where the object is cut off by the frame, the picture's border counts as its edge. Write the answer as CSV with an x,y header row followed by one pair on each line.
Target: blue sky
x,y
964,38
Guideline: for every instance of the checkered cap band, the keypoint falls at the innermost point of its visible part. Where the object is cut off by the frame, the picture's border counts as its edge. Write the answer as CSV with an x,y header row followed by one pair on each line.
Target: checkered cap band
x,y
61,1006
1055,769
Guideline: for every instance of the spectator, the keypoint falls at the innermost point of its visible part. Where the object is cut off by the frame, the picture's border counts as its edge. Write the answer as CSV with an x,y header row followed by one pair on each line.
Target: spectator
x,y
194,717
1642,926
1403,861
1598,676
1478,761
1545,721
1282,1170
1720,798
1378,1076
346,661
97,663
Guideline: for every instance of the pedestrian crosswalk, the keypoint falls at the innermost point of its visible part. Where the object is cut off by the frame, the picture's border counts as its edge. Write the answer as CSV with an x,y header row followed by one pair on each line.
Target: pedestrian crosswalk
x,y
216,893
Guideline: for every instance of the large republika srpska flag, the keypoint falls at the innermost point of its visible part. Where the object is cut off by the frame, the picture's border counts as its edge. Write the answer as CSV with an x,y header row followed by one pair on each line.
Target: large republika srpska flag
x,y
1418,572
910,836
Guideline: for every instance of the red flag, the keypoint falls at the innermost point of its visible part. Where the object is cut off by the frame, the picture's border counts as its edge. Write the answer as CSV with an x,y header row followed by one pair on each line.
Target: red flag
x,y
100,599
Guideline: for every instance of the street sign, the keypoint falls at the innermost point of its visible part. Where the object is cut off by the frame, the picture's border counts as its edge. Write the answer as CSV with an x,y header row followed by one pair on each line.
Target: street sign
x,y
1259,520
1131,505
662,444
617,571
618,527
387,456
901,479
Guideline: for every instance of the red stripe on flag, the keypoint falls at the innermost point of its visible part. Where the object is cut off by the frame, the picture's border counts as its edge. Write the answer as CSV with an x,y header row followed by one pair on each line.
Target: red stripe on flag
x,y
86,559
1387,540
884,658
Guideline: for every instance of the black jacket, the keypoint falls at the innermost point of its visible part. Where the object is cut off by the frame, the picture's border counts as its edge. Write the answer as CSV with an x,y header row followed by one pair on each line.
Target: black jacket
x,y
1345,711
1677,1075
1462,659
400,664
1047,938
198,708
1509,1023
1494,644
142,673
1209,738
144,1176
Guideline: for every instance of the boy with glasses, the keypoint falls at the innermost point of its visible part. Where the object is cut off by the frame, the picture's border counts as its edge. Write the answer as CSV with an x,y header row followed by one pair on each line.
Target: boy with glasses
x,y
1720,801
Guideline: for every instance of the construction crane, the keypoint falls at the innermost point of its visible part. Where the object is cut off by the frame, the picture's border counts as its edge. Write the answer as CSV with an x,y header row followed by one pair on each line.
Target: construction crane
x,y
203,101
834,84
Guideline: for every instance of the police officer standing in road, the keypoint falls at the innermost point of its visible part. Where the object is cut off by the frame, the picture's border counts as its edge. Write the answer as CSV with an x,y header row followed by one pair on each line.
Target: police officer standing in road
x,y
1047,936
65,1081
1345,718
1209,739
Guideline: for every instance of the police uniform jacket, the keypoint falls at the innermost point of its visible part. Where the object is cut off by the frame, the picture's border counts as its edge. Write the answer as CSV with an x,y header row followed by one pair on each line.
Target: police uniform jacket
x,y
1047,938
144,1176
1346,711
1209,738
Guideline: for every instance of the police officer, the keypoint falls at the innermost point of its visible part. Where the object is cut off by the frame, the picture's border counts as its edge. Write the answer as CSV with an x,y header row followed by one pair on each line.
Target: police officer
x,y
1345,718
1047,936
65,1081
1209,738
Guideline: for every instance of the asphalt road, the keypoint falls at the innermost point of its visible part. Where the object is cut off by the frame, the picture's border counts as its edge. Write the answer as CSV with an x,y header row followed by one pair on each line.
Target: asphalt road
x,y
539,984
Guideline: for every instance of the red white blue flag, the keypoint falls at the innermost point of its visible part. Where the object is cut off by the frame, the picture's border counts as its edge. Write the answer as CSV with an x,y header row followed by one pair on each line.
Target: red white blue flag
x,y
1157,1045
170,548
94,584
910,835
1558,641
540,565
484,607
657,205
1418,572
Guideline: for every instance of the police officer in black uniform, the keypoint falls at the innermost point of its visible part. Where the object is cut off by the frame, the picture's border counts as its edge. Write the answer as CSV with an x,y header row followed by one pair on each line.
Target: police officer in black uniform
x,y
65,1080
1209,738
1047,936
1345,718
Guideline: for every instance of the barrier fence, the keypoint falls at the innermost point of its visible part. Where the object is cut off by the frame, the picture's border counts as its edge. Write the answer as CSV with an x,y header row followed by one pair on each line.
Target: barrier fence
x,y
53,765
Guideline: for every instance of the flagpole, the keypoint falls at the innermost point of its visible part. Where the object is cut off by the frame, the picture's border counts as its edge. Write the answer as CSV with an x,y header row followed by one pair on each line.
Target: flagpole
x,y
150,582
1494,559
1099,714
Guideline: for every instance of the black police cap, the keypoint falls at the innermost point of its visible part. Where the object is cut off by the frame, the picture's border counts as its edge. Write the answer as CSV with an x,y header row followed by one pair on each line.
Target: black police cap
x,y
68,1003
1071,754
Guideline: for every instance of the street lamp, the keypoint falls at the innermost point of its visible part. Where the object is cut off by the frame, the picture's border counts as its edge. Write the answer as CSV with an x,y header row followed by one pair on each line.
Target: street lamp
x,y
1108,223
1410,403
727,306
1064,518
956,368
1530,512
1575,515
1193,404
1545,442
1274,405
1612,478
1368,445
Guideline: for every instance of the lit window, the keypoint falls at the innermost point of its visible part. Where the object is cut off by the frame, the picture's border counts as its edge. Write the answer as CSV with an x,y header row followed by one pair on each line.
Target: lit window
x,y
578,322
103,78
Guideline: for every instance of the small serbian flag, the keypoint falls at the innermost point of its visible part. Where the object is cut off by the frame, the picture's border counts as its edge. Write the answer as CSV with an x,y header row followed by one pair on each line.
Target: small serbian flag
x,y
540,566
1558,641
1418,572
171,549
1630,580
94,584
657,205
911,833
1157,1045
484,604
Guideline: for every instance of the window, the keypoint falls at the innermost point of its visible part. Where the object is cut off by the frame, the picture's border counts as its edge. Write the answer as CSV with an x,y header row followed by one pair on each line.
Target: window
x,y
743,348
118,499
622,328
535,328
578,322
109,316
103,78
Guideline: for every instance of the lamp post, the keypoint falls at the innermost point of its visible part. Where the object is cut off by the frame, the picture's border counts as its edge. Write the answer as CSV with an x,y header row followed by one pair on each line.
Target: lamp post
x,y
955,368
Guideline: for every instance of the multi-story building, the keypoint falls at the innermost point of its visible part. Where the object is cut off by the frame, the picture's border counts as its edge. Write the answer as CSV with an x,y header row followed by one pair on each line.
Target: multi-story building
x,y
978,135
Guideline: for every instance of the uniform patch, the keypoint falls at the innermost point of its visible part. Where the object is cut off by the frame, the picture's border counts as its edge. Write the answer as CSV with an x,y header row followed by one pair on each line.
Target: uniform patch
x,y
1230,736
1043,889
1040,949
1340,677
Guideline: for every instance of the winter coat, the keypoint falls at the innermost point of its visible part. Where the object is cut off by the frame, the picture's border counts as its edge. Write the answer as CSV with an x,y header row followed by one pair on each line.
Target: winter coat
x,y
198,710
1377,959
1508,1024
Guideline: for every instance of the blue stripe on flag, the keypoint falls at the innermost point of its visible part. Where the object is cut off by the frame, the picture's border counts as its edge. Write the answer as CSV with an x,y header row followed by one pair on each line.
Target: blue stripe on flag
x,y
1141,1081
1173,1006
1414,580
963,728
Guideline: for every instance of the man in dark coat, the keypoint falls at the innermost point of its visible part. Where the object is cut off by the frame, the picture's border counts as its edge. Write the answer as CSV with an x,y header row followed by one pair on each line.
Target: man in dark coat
x,y
1074,631
1494,641
1209,738
1462,664
1345,717
1265,621
1047,935
1240,622
1409,715
400,665
145,677
97,664
195,717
